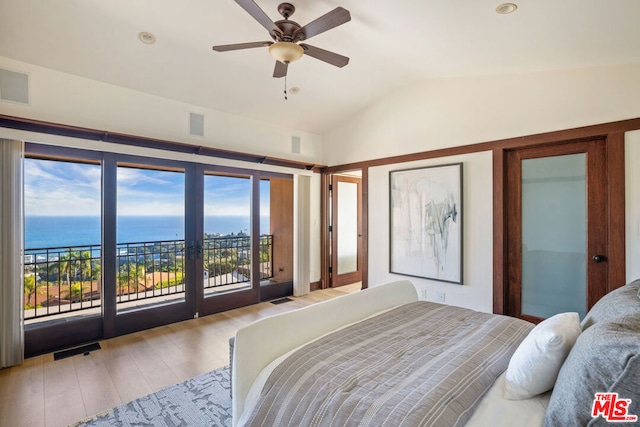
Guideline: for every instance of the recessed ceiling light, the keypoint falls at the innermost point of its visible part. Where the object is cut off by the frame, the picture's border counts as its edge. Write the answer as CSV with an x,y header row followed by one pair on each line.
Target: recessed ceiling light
x,y
294,90
147,38
506,8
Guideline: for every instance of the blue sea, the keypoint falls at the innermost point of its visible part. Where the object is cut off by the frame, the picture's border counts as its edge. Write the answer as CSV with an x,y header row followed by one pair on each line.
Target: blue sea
x,y
54,231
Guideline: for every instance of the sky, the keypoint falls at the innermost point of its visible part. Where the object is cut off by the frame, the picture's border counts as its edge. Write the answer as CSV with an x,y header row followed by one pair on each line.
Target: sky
x,y
54,188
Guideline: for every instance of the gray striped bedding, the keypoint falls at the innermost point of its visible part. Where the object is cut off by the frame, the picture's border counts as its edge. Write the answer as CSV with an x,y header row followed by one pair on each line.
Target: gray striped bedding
x,y
421,364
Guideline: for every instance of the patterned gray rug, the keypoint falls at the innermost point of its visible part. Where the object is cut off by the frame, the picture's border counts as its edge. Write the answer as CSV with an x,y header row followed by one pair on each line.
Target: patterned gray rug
x,y
201,401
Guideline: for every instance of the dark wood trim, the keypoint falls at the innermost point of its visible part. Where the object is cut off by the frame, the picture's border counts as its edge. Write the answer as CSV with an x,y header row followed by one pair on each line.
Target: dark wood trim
x,y
512,227
325,240
501,144
109,243
194,230
49,338
356,276
150,317
316,286
39,126
598,214
64,154
499,232
617,228
598,208
364,185
269,291
255,235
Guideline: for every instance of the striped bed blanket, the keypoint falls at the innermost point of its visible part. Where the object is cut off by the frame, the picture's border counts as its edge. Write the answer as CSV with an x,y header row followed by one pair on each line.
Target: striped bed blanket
x,y
420,364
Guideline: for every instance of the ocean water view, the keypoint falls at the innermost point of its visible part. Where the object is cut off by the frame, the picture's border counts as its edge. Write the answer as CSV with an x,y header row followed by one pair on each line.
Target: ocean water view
x,y
55,231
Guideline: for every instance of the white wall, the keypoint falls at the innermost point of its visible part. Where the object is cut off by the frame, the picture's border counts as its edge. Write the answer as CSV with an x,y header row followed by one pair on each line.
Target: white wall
x,y
477,232
439,113
64,98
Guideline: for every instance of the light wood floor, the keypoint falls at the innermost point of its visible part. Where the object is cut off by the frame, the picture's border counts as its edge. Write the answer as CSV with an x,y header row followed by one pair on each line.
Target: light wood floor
x,y
46,393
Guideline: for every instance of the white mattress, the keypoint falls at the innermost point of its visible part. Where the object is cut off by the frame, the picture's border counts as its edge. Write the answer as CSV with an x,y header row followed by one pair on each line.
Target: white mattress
x,y
494,410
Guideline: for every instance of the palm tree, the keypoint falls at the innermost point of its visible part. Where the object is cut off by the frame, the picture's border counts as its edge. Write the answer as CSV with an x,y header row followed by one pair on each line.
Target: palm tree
x,y
76,292
31,287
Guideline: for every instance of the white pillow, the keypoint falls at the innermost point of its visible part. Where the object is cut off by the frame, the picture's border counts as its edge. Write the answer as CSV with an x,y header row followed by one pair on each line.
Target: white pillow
x,y
535,364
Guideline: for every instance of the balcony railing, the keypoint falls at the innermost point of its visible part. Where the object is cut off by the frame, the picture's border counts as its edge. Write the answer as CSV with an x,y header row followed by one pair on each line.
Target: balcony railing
x,y
68,279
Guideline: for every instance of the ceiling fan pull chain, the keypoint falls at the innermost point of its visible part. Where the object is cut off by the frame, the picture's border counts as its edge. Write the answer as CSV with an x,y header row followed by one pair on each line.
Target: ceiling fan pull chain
x,y
285,88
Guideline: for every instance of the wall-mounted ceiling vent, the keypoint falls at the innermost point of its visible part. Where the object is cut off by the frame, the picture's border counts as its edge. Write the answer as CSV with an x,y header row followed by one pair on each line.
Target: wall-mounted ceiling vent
x,y
295,144
14,86
196,124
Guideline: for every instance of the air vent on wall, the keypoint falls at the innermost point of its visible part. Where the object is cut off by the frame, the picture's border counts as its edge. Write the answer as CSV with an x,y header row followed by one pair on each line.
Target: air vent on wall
x,y
295,144
196,124
14,86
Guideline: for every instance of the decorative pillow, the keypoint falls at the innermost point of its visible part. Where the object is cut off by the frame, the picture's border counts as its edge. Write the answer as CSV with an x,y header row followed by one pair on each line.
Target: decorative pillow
x,y
621,301
605,359
535,364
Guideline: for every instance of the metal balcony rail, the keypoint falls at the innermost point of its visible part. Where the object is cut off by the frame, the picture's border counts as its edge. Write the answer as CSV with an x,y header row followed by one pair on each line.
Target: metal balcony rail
x,y
69,279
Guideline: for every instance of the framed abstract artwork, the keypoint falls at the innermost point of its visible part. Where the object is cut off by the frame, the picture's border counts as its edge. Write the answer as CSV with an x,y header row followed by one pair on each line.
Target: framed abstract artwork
x,y
425,230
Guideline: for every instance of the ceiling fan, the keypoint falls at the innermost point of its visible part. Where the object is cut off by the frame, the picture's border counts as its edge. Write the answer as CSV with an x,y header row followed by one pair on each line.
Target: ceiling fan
x,y
288,34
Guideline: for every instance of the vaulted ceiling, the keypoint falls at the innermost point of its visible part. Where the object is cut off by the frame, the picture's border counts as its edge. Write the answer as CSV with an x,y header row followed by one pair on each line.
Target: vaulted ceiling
x,y
389,43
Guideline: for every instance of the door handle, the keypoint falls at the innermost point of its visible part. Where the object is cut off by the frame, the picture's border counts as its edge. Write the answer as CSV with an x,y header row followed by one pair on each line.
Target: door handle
x,y
599,258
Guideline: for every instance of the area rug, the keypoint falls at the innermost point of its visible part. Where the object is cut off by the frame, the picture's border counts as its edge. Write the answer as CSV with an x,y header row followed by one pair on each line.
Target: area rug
x,y
201,401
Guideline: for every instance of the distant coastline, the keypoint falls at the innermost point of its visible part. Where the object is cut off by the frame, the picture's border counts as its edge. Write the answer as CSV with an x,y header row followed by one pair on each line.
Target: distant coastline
x,y
54,231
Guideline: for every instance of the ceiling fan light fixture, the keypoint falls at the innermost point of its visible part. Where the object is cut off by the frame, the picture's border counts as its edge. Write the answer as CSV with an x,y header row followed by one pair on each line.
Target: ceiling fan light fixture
x,y
286,52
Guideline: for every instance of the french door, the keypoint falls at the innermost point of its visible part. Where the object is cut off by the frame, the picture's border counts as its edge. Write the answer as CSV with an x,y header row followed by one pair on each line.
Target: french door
x,y
557,225
160,241
346,230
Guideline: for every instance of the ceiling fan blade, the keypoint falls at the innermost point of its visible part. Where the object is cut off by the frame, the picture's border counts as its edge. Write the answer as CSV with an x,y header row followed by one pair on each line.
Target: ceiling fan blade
x,y
258,14
325,55
337,16
280,70
238,46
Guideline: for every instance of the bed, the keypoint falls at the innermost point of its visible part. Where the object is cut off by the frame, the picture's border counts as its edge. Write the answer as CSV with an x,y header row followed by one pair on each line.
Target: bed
x,y
382,357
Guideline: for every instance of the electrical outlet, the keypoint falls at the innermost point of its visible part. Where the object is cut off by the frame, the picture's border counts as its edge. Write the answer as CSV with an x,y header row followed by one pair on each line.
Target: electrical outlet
x,y
423,294
440,296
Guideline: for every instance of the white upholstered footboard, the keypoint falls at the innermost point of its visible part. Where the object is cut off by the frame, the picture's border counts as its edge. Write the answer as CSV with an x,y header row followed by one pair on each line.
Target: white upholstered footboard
x,y
260,343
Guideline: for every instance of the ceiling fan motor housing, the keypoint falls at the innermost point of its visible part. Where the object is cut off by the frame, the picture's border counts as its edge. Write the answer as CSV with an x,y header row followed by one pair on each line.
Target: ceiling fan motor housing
x,y
286,10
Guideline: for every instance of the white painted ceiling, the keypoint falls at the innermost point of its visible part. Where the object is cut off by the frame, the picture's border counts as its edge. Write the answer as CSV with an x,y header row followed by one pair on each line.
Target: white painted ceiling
x,y
390,44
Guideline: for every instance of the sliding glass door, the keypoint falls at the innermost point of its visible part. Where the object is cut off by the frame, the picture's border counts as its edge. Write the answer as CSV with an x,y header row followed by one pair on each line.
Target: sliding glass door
x,y
226,242
150,253
118,243
63,282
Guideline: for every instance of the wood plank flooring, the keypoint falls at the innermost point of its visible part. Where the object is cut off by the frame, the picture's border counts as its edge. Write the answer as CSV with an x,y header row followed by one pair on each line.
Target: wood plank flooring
x,y
46,393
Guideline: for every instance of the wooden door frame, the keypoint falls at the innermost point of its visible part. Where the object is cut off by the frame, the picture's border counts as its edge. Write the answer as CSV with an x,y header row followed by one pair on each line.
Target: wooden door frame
x,y
615,222
597,207
325,241
356,276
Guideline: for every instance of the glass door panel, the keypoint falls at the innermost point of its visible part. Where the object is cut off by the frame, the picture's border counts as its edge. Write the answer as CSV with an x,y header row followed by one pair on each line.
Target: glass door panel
x,y
347,221
226,243
62,261
346,226
554,235
150,258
